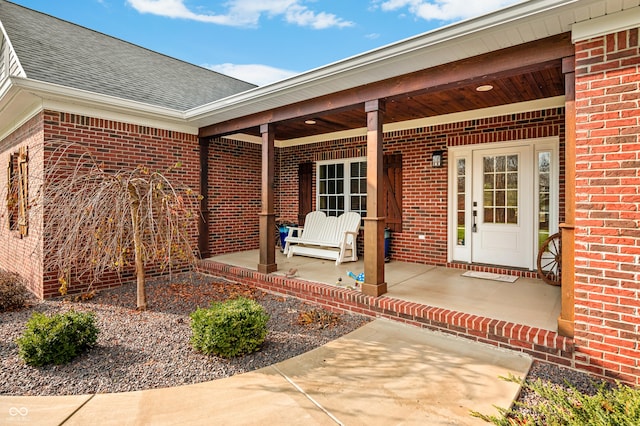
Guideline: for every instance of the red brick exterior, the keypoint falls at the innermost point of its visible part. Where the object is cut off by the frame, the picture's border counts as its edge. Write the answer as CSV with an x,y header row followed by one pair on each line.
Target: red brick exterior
x,y
607,235
424,191
117,146
234,196
21,255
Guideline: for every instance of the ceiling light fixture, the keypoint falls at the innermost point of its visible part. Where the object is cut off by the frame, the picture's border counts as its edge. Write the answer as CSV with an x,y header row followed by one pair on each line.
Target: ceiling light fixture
x,y
310,122
484,88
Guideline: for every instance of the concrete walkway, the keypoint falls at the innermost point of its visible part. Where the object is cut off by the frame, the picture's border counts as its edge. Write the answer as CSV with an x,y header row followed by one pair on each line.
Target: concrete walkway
x,y
384,373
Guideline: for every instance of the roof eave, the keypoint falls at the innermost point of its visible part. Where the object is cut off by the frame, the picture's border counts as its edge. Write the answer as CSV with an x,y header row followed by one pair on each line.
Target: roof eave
x,y
22,91
431,49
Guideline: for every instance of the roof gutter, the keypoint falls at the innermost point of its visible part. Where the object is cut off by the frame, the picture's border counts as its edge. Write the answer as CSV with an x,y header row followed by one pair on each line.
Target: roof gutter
x,y
66,99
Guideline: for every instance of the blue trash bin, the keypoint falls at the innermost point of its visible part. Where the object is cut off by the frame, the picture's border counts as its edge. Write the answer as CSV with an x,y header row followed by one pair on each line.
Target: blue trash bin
x,y
284,231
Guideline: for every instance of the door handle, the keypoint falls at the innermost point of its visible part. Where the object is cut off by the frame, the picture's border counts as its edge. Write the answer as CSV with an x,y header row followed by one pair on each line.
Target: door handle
x,y
474,227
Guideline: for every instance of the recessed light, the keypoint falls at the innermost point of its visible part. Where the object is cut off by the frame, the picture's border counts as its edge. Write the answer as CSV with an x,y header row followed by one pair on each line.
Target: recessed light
x,y
309,121
484,88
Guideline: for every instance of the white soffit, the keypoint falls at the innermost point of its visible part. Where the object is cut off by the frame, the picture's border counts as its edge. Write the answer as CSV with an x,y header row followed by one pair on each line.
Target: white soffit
x,y
607,24
537,105
521,23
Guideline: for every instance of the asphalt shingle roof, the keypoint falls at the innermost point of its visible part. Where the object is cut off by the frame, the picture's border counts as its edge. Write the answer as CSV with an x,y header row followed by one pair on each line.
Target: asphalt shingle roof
x,y
60,52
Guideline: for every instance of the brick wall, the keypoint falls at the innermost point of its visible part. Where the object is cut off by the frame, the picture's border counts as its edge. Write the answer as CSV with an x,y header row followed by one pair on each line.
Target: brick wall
x,y
607,235
121,146
234,196
424,187
17,254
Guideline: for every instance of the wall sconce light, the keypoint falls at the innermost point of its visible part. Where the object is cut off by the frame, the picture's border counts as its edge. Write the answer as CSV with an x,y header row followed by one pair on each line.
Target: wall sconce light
x,y
437,159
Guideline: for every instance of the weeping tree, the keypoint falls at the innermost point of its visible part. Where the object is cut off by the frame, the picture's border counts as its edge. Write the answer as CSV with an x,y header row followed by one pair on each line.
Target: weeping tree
x,y
98,220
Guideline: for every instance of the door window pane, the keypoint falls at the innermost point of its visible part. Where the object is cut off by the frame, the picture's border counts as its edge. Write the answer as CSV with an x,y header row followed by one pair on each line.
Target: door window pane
x,y
461,207
500,195
544,195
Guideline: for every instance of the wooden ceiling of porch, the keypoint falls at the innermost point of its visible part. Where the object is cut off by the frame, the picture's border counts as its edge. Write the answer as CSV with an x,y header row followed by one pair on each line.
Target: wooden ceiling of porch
x,y
529,72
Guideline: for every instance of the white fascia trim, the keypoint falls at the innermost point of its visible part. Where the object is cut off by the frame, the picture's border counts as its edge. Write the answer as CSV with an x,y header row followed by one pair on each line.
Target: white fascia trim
x,y
604,25
12,50
537,105
284,92
65,99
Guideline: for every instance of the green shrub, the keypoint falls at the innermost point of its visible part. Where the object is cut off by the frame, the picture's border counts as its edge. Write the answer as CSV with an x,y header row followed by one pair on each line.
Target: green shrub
x,y
57,339
228,329
13,293
611,405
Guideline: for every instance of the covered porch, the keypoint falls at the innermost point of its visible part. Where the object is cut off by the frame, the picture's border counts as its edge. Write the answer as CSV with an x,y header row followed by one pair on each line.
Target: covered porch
x,y
520,315
526,301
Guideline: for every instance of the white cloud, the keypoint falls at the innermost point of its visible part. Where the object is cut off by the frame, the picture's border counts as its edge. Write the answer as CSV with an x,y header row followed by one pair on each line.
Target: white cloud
x,y
253,73
444,10
244,13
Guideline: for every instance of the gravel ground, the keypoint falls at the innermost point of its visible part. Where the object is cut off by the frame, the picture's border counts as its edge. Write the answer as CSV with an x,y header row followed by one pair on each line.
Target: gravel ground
x,y
151,349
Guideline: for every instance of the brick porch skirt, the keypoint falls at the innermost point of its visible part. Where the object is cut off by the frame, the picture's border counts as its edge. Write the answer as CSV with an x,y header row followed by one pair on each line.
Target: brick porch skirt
x,y
541,344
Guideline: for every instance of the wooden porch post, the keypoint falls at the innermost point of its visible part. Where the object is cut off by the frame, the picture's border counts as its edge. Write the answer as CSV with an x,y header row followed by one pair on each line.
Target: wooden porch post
x,y
267,213
374,223
203,223
567,310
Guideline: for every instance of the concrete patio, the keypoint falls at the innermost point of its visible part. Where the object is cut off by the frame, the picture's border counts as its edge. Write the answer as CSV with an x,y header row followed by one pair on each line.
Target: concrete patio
x,y
384,373
526,301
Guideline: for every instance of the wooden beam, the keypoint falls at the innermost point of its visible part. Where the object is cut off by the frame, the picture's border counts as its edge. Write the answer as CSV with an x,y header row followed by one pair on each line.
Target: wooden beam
x,y
509,61
374,223
267,213
566,320
203,223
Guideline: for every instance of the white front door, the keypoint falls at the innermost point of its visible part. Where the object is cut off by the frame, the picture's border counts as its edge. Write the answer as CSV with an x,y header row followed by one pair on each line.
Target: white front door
x,y
502,206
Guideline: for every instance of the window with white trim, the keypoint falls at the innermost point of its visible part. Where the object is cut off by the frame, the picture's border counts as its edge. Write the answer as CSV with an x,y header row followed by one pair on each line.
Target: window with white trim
x,y
342,186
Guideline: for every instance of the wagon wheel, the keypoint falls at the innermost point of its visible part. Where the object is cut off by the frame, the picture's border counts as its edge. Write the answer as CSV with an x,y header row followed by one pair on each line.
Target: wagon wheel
x,y
550,260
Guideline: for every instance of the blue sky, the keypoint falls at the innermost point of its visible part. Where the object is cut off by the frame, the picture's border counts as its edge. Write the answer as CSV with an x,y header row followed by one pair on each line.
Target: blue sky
x,y
262,41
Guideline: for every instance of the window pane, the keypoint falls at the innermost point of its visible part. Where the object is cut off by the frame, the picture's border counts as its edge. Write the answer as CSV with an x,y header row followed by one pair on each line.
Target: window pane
x,y
488,215
488,165
461,184
488,198
341,186
501,189
333,203
544,194
488,181
323,203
